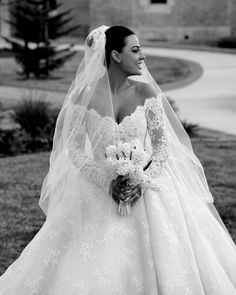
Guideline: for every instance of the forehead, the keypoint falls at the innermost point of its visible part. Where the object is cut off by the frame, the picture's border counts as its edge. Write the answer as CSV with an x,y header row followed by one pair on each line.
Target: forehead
x,y
131,41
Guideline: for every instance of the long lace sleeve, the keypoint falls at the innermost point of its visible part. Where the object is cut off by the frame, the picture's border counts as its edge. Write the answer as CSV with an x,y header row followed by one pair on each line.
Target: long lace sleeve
x,y
88,167
156,125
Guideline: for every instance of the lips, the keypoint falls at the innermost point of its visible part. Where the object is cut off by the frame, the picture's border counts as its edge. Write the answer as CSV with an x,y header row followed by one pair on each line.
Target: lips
x,y
139,65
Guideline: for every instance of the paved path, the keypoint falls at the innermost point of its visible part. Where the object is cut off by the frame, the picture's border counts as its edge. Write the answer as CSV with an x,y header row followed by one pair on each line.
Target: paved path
x,y
210,101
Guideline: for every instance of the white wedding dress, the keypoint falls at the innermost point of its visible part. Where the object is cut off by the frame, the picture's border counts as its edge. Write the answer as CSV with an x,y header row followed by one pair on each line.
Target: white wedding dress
x,y
171,244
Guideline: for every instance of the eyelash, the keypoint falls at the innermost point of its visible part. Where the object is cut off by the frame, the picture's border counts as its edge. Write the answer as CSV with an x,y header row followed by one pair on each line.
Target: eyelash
x,y
137,50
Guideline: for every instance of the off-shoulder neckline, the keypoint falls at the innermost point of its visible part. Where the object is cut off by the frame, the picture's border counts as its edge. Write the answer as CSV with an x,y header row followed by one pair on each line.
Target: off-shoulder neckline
x,y
92,110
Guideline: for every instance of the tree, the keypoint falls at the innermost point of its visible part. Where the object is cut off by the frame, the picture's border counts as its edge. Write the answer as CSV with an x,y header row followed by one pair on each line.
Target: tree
x,y
35,24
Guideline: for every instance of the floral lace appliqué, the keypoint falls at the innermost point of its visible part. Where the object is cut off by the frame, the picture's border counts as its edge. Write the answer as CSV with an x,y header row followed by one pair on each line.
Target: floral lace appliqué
x,y
156,124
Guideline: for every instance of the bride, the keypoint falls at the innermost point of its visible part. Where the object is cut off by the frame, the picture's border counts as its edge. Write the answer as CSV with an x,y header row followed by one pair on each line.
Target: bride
x,y
128,207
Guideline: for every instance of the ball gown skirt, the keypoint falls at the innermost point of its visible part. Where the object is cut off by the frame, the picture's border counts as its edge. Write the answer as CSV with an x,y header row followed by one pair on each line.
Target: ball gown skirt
x,y
171,244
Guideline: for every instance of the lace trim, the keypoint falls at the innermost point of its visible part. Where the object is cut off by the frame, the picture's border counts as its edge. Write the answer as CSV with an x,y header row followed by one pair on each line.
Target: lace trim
x,y
156,125
97,174
89,168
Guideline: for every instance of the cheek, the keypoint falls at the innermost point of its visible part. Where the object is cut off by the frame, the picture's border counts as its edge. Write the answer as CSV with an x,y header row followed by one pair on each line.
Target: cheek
x,y
129,61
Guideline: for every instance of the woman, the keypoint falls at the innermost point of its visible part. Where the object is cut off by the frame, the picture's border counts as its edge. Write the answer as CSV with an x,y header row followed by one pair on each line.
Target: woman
x,y
104,232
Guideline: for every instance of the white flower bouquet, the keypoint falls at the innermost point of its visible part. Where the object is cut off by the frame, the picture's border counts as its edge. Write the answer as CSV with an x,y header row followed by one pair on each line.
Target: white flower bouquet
x,y
127,162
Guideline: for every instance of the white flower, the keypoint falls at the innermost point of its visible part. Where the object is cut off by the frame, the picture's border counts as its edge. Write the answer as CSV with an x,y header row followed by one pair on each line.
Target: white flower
x,y
127,158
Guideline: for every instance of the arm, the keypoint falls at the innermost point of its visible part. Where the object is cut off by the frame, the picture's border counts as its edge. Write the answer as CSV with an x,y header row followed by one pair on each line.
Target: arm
x,y
89,168
156,125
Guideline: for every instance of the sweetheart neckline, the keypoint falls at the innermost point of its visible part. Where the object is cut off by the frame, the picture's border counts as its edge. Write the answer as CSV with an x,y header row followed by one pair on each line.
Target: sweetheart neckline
x,y
130,115
124,118
112,119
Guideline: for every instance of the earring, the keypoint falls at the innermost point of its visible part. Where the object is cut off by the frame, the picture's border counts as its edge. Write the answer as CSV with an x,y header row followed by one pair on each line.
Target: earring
x,y
115,56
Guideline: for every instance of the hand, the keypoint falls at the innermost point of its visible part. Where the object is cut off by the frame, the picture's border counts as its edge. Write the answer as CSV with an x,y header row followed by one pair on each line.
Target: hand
x,y
132,196
122,191
122,155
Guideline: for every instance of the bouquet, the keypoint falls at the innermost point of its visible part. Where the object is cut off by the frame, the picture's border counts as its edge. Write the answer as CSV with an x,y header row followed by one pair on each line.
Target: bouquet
x,y
127,161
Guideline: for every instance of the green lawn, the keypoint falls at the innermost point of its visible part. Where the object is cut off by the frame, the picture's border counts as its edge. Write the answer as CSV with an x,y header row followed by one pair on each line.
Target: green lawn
x,y
22,176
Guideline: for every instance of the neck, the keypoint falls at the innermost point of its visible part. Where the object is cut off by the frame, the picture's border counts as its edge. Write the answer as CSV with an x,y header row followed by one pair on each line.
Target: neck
x,y
117,79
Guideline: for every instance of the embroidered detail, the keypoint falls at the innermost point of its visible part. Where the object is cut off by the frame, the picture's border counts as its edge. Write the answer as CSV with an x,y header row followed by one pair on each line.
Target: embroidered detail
x,y
52,258
131,127
103,278
95,173
90,168
179,282
85,251
124,257
80,287
156,124
138,283
115,230
34,284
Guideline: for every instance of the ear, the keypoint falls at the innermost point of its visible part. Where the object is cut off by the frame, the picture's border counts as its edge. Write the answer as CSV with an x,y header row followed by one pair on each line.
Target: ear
x,y
115,56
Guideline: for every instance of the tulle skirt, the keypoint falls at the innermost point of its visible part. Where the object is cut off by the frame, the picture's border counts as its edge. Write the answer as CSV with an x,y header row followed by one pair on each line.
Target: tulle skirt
x,y
171,244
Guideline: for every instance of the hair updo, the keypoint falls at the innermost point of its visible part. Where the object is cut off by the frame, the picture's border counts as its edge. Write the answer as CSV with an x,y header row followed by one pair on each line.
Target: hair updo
x,y
115,40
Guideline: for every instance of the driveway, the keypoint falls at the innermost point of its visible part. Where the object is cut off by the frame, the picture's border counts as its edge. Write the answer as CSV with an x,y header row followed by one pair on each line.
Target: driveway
x,y
210,101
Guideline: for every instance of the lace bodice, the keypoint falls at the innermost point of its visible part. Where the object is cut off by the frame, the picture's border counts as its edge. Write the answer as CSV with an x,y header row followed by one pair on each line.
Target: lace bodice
x,y
146,124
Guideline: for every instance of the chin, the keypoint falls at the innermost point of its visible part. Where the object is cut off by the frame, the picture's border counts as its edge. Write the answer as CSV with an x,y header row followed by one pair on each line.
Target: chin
x,y
139,72
136,73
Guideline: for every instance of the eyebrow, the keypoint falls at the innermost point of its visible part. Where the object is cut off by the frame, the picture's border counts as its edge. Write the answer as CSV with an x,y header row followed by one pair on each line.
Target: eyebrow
x,y
135,46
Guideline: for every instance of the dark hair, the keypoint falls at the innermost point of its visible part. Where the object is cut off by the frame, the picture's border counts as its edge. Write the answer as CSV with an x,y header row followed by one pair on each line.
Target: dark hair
x,y
115,40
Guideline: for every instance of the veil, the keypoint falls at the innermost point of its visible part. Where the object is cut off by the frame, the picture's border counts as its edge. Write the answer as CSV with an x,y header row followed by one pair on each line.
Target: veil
x,y
90,90
90,93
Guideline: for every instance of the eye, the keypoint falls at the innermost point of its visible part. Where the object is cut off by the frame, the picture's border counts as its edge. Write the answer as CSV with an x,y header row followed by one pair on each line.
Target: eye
x,y
136,50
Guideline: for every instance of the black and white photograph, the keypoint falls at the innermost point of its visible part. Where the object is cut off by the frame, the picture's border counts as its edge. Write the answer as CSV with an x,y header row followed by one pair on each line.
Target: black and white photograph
x,y
117,147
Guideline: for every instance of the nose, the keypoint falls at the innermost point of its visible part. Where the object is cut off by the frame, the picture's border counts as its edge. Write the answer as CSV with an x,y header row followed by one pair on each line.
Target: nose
x,y
142,56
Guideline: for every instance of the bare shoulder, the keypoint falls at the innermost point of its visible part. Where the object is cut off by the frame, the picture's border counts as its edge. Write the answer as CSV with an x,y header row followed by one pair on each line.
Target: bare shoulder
x,y
145,90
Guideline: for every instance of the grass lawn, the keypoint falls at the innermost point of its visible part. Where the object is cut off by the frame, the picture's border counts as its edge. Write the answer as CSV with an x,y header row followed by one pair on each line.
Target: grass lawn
x,y
22,176
164,71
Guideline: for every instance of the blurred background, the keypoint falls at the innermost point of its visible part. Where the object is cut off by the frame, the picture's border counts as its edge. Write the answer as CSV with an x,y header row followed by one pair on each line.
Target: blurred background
x,y
191,53
202,21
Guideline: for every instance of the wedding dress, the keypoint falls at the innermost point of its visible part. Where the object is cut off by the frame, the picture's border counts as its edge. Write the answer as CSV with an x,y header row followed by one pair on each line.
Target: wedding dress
x,y
171,244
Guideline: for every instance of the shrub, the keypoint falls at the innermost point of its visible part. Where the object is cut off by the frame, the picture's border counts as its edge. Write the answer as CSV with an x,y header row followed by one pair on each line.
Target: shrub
x,y
227,42
12,142
32,115
173,104
190,128
37,119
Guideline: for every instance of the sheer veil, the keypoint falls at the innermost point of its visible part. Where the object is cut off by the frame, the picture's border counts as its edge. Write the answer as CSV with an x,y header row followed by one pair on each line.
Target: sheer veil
x,y
90,92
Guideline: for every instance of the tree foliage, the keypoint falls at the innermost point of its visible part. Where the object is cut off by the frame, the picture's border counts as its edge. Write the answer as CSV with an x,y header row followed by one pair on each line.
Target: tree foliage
x,y
35,25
